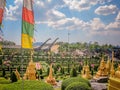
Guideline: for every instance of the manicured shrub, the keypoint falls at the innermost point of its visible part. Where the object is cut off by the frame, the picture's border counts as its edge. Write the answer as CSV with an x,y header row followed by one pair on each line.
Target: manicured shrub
x,y
48,69
62,70
28,85
40,72
68,81
0,61
3,72
79,68
55,69
4,81
68,70
78,86
73,72
13,77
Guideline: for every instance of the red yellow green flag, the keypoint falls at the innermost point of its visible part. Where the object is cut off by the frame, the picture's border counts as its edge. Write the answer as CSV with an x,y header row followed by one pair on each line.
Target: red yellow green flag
x,y
27,24
2,6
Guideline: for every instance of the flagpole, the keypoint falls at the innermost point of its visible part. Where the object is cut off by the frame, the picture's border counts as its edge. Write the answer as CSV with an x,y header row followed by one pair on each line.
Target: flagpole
x,y
22,60
22,55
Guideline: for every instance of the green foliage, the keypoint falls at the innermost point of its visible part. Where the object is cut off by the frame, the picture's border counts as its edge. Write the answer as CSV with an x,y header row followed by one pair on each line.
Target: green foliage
x,y
7,42
48,69
18,68
28,85
13,77
78,86
3,72
69,81
79,68
55,69
73,72
62,71
4,81
40,71
0,61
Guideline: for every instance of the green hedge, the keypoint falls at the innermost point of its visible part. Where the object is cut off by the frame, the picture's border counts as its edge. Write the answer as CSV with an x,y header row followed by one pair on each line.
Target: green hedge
x,y
73,72
4,81
68,81
28,85
78,86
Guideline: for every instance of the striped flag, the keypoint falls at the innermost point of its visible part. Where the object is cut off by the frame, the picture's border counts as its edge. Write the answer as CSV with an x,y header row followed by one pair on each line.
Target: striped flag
x,y
27,24
2,6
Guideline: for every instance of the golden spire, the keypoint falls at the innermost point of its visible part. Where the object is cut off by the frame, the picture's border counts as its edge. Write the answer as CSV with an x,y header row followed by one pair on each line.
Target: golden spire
x,y
17,74
50,78
117,73
50,73
30,72
86,72
108,65
102,71
31,56
112,71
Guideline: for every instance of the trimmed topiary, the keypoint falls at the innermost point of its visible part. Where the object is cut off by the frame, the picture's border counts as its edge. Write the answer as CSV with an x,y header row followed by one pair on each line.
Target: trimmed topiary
x,y
28,85
48,69
3,72
4,81
73,72
68,81
78,86
13,77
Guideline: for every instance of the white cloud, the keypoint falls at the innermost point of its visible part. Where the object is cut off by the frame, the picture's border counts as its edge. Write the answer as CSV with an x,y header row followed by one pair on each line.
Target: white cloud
x,y
54,15
106,10
13,12
103,1
18,1
118,17
49,0
114,25
68,24
78,5
39,3
96,24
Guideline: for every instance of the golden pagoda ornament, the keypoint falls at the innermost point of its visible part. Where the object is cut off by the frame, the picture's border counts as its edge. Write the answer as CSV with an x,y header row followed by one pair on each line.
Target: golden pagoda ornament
x,y
112,70
86,72
117,73
30,72
50,79
108,65
83,70
114,79
17,74
102,71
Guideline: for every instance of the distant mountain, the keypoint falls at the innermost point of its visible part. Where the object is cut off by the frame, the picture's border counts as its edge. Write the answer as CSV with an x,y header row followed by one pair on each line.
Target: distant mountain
x,y
37,43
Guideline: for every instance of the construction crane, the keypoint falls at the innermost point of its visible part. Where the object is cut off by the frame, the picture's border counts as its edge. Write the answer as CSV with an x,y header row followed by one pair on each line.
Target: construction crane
x,y
50,46
40,47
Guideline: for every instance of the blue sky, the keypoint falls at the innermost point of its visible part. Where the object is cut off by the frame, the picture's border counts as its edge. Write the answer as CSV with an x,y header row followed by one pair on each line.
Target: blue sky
x,y
85,20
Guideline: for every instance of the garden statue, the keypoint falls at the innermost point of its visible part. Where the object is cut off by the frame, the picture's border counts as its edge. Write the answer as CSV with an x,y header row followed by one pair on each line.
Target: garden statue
x,y
50,79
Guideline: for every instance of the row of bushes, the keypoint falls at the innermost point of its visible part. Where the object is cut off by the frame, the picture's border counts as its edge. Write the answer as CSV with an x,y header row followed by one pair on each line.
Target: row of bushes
x,y
75,83
4,81
26,85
